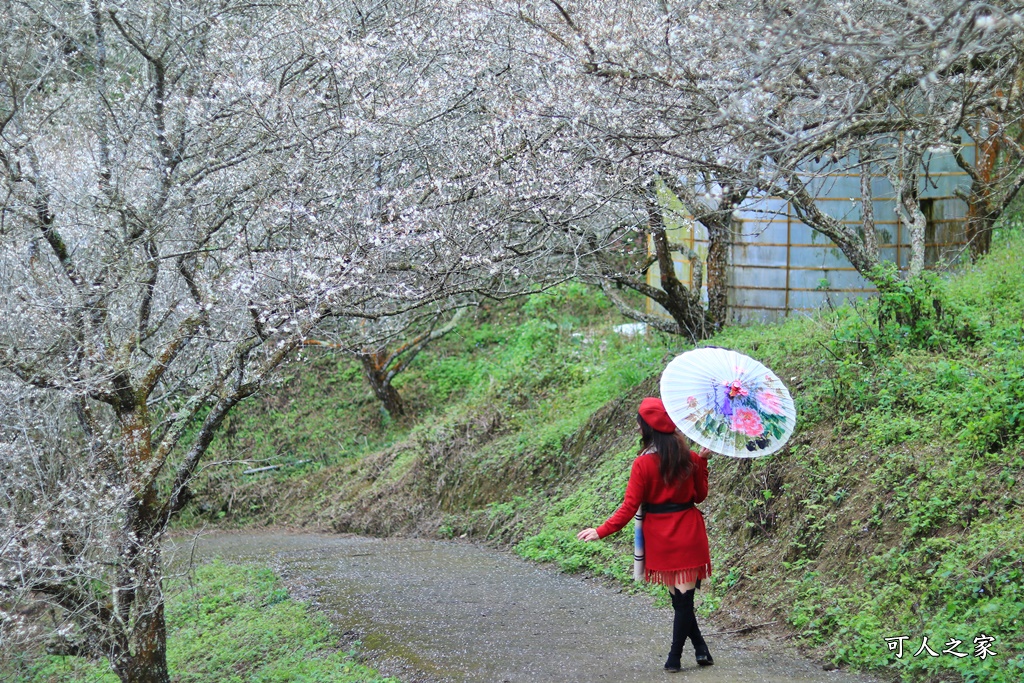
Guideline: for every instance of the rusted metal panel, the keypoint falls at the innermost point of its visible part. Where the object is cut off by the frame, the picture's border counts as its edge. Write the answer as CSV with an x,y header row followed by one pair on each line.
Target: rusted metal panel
x,y
780,266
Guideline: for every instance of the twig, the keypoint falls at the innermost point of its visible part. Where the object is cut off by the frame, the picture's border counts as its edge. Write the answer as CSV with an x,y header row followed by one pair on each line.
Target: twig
x,y
830,352
275,467
263,469
744,629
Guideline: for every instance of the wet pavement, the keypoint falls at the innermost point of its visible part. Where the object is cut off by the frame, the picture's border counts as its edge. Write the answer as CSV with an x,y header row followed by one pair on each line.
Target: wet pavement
x,y
435,611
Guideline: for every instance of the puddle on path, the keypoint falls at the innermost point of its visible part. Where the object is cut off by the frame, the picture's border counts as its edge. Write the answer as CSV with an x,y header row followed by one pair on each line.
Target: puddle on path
x,y
431,611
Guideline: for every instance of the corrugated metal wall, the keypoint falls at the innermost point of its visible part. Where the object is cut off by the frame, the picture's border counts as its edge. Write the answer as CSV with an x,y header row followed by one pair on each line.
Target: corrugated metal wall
x,y
779,266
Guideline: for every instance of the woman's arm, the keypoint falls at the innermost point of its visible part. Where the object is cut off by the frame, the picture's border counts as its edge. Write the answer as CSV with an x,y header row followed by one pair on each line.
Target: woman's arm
x,y
700,475
634,496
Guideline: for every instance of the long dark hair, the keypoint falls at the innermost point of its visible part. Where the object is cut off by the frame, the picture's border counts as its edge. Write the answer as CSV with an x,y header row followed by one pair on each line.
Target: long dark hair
x,y
673,452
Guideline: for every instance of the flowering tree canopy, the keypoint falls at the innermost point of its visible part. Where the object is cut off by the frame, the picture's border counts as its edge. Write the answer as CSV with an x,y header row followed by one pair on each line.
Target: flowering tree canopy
x,y
727,102
189,191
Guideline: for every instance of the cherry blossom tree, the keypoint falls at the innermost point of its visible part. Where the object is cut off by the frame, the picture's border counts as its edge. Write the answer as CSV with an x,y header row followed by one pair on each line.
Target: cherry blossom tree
x,y
393,348
189,191
884,86
750,99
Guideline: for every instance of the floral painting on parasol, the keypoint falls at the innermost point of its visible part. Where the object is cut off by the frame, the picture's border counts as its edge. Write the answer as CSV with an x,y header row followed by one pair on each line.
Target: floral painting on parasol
x,y
728,402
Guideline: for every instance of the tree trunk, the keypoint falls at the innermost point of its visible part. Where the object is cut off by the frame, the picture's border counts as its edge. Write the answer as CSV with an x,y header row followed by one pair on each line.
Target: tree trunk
x,y
918,224
978,231
981,219
979,210
682,304
139,652
867,206
382,388
148,662
138,632
717,278
690,317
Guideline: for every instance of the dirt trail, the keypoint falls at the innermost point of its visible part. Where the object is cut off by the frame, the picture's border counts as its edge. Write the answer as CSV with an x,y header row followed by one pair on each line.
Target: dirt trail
x,y
433,611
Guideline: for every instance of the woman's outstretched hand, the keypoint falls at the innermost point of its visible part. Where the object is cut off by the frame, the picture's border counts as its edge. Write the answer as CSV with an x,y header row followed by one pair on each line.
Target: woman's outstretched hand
x,y
704,452
588,535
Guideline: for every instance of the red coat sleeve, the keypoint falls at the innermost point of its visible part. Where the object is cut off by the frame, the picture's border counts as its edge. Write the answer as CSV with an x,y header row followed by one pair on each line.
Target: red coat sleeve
x,y
700,477
634,496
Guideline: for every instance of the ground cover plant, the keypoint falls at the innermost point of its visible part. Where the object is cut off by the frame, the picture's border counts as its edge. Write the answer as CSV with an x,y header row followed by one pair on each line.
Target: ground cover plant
x,y
231,624
521,377
894,512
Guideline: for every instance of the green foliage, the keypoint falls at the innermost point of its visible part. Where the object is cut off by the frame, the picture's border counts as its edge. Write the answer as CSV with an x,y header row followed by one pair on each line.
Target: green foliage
x,y
449,375
895,510
919,313
540,367
569,305
234,624
917,400
577,508
913,373
936,588
929,377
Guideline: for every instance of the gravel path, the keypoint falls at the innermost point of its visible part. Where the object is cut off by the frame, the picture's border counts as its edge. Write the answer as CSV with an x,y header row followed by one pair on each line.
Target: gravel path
x,y
430,611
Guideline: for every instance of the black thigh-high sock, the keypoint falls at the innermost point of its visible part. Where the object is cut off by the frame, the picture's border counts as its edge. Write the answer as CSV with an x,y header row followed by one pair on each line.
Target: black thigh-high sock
x,y
686,605
680,629
700,647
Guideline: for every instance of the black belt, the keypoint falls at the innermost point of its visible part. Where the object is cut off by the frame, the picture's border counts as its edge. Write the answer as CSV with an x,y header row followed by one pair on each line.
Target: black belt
x,y
662,508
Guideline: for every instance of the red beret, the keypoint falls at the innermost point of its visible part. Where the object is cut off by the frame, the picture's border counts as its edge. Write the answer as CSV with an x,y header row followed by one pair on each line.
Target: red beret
x,y
652,410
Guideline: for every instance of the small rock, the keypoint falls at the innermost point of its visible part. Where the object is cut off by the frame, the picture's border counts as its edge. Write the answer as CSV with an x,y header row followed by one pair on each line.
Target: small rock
x,y
829,666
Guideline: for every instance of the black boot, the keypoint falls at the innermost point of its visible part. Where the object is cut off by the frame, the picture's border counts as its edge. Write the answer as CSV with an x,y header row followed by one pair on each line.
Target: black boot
x,y
680,627
700,648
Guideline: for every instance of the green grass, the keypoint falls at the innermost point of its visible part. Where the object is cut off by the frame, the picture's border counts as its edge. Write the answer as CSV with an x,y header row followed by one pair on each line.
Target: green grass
x,y
579,509
528,373
938,402
233,624
895,510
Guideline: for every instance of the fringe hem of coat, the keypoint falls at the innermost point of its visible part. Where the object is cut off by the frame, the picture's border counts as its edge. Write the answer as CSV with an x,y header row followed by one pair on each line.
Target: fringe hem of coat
x,y
676,577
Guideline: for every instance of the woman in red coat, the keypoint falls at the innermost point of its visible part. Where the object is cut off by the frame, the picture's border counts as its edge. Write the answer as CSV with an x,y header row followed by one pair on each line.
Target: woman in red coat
x,y
668,479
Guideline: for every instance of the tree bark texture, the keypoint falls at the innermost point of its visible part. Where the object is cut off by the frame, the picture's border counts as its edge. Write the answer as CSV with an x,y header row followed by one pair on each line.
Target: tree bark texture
x,y
682,304
980,214
375,368
917,223
146,661
978,230
718,277
867,205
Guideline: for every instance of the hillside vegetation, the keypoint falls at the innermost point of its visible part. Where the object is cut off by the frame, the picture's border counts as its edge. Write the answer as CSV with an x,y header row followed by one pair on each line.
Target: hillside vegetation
x,y
230,624
896,509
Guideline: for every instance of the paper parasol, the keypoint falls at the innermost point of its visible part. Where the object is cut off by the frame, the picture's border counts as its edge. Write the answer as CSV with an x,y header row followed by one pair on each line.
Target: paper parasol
x,y
728,402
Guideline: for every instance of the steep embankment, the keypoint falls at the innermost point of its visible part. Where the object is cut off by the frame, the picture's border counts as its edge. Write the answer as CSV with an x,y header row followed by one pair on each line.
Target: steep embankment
x,y
895,511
